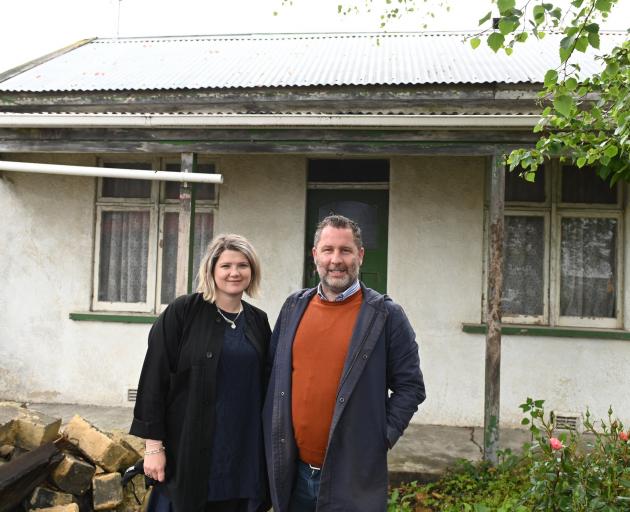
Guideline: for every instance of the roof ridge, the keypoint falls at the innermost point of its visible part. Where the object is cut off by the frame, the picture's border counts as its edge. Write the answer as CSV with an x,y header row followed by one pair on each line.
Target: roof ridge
x,y
305,35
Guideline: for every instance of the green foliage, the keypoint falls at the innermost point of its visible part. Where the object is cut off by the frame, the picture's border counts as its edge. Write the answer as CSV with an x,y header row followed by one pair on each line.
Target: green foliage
x,y
574,472
470,486
585,119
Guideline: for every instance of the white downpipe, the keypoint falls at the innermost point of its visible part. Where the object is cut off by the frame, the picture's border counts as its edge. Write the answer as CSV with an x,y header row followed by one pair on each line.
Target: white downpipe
x,y
105,172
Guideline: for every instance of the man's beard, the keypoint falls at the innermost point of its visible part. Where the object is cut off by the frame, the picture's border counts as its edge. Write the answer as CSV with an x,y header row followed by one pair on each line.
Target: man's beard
x,y
339,284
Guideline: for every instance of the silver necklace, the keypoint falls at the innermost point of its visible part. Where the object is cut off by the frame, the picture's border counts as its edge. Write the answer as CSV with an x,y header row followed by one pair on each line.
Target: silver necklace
x,y
231,322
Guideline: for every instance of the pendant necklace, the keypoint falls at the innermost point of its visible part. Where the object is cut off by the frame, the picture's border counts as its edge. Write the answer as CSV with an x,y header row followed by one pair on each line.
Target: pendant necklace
x,y
231,322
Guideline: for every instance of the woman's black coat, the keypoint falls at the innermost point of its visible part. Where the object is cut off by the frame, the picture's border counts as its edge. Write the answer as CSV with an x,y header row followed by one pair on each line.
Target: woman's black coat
x,y
176,393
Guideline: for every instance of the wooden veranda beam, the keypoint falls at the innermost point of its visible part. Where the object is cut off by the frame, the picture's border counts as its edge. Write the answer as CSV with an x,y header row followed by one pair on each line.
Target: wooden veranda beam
x,y
493,315
185,231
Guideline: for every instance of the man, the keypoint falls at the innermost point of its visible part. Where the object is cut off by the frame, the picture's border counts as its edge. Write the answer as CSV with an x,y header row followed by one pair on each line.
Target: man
x,y
337,350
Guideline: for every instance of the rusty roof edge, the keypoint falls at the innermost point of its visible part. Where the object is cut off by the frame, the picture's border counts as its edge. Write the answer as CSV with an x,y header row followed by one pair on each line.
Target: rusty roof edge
x,y
10,73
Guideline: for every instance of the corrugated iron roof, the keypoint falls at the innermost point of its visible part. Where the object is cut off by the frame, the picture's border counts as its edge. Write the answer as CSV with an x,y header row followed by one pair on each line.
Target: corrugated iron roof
x,y
291,60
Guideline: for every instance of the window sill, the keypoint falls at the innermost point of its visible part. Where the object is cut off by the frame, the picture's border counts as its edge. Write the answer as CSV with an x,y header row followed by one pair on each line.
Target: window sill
x,y
125,318
556,332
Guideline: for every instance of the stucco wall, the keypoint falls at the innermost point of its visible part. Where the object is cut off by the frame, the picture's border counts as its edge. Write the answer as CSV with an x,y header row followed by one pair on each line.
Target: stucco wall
x,y
264,199
46,273
435,262
435,242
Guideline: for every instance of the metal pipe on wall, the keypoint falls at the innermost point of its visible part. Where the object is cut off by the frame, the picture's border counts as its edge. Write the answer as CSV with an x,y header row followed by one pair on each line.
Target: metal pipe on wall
x,y
105,172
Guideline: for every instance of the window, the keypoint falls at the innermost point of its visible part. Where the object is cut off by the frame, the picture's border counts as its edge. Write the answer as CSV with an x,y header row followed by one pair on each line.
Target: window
x,y
137,236
562,249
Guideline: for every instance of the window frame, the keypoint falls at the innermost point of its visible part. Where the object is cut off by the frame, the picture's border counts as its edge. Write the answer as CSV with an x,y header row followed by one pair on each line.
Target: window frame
x,y
158,205
554,211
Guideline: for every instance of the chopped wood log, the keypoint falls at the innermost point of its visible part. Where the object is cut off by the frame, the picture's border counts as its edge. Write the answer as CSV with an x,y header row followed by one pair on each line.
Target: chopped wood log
x,y
19,477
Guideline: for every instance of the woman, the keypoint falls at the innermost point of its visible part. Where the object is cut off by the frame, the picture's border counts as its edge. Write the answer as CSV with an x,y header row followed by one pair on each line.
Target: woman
x,y
202,387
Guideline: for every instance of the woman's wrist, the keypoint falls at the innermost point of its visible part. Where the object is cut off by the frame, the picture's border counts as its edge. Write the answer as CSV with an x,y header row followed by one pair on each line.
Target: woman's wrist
x,y
154,451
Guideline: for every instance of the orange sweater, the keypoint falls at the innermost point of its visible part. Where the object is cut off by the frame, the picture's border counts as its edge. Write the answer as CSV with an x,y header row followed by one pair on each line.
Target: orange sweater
x,y
319,353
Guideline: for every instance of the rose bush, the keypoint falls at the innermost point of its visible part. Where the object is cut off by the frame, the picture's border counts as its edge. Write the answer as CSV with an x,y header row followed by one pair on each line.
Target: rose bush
x,y
577,472
574,471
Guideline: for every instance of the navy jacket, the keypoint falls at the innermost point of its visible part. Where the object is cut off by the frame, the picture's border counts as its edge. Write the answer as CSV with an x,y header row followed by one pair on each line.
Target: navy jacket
x,y
176,392
367,421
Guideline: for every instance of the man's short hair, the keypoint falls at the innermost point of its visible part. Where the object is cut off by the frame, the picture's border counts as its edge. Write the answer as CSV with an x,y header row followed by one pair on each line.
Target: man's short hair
x,y
339,222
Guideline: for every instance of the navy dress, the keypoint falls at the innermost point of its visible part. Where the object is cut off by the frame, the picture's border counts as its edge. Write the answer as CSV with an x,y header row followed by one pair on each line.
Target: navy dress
x,y
236,466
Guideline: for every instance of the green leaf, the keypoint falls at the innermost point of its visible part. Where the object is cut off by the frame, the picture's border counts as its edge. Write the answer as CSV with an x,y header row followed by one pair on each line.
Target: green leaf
x,y
564,54
339,9
530,176
571,31
563,104
539,14
525,421
611,151
593,39
581,162
577,3
592,27
507,5
556,13
485,18
508,50
611,68
475,42
581,44
507,25
551,78
571,84
521,37
567,42
495,41
603,5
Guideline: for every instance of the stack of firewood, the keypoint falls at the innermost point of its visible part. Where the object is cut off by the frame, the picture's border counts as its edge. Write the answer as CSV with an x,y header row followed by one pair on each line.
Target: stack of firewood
x,y
74,469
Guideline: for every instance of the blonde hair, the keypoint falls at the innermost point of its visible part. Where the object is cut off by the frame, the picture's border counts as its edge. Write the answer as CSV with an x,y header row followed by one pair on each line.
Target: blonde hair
x,y
221,243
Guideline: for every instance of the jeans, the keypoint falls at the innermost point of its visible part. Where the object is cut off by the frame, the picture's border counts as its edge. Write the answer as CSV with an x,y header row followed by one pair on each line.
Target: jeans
x,y
305,489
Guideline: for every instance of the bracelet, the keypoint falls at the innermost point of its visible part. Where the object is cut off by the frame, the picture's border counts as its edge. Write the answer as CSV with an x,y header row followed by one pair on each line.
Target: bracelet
x,y
153,452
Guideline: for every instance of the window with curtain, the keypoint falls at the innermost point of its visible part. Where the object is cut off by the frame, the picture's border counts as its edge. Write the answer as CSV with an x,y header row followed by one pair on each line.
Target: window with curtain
x,y
136,243
562,248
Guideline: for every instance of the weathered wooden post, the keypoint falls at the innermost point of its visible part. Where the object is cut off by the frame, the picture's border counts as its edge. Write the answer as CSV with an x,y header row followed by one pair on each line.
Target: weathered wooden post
x,y
493,316
185,230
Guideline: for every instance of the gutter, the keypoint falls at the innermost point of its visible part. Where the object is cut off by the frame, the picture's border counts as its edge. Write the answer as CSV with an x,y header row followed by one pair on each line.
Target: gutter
x,y
457,121
105,172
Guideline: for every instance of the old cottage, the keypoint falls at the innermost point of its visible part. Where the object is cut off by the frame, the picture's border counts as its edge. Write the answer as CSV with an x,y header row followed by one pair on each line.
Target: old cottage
x,y
398,131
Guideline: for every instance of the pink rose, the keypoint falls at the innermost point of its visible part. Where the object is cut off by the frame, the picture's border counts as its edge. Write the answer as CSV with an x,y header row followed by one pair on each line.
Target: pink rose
x,y
555,443
623,436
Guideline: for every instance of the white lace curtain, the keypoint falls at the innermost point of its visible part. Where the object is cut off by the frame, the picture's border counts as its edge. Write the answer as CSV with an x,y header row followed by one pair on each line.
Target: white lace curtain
x,y
588,260
124,255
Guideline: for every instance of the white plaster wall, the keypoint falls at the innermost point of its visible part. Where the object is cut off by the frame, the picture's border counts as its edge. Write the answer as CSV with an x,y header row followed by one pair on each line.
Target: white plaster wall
x,y
436,235
264,199
46,267
435,261
46,272
434,272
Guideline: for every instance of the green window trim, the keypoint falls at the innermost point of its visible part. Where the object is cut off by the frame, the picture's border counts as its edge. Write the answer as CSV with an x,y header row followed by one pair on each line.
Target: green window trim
x,y
125,318
556,332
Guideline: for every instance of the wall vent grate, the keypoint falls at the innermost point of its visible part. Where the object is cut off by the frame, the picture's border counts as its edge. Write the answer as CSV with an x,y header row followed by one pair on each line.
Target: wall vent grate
x,y
132,394
566,421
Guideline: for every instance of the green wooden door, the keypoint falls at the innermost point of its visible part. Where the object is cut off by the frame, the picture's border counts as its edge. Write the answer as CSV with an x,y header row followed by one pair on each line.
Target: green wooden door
x,y
369,208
